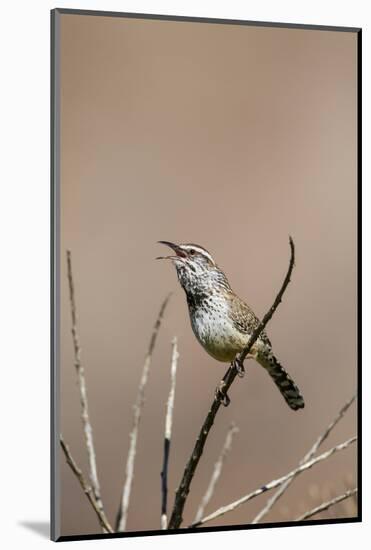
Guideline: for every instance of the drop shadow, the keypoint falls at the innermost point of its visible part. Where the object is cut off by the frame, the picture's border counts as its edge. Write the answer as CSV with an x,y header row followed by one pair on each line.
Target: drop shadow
x,y
42,528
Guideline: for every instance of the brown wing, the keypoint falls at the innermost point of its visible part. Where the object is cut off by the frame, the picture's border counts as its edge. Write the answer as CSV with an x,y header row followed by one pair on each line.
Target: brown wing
x,y
245,320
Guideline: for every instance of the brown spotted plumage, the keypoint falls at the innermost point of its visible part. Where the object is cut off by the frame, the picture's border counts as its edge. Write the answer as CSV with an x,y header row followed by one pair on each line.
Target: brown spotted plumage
x,y
220,320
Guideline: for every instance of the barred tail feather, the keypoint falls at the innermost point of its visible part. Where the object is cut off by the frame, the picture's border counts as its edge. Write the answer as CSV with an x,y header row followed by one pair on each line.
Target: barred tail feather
x,y
283,381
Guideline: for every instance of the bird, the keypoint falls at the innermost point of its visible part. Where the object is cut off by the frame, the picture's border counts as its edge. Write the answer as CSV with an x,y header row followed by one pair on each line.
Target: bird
x,y
221,321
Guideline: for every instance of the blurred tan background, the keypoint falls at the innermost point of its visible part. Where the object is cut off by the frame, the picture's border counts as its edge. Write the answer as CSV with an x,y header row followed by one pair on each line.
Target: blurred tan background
x,y
232,137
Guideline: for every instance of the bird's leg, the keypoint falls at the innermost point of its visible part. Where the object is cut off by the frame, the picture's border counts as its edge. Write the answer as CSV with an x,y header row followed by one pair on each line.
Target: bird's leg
x,y
239,366
221,394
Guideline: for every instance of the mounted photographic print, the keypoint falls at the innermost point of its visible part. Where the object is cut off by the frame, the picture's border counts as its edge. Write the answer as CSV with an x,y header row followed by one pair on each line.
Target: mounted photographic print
x,y
205,193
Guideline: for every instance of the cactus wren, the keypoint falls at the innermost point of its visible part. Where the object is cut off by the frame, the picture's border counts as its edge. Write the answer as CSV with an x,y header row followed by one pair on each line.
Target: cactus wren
x,y
221,321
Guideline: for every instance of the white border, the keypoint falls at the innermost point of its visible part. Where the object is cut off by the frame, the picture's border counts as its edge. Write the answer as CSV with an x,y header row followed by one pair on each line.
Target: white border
x,y
24,282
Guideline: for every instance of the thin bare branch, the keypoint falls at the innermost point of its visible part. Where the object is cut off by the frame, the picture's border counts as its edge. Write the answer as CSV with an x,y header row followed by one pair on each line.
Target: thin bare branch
x,y
310,454
184,487
88,431
326,505
138,406
268,316
88,490
216,472
168,429
275,483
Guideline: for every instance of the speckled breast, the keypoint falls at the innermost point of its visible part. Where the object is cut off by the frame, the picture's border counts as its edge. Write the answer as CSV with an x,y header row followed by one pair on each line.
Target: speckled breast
x,y
215,331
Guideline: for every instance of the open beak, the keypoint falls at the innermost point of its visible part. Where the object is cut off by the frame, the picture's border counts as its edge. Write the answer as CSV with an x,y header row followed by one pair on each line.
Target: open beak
x,y
179,253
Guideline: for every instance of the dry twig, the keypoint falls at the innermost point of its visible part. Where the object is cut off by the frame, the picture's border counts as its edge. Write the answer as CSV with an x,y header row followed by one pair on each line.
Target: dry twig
x,y
216,472
88,431
129,470
86,488
184,487
307,457
325,505
168,428
275,483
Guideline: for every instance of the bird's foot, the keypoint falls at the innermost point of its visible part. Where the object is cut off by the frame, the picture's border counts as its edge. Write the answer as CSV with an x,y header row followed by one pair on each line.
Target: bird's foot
x,y
221,395
239,366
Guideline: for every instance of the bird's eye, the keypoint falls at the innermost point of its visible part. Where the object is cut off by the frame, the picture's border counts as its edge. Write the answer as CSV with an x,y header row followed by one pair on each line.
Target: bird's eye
x,y
192,252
